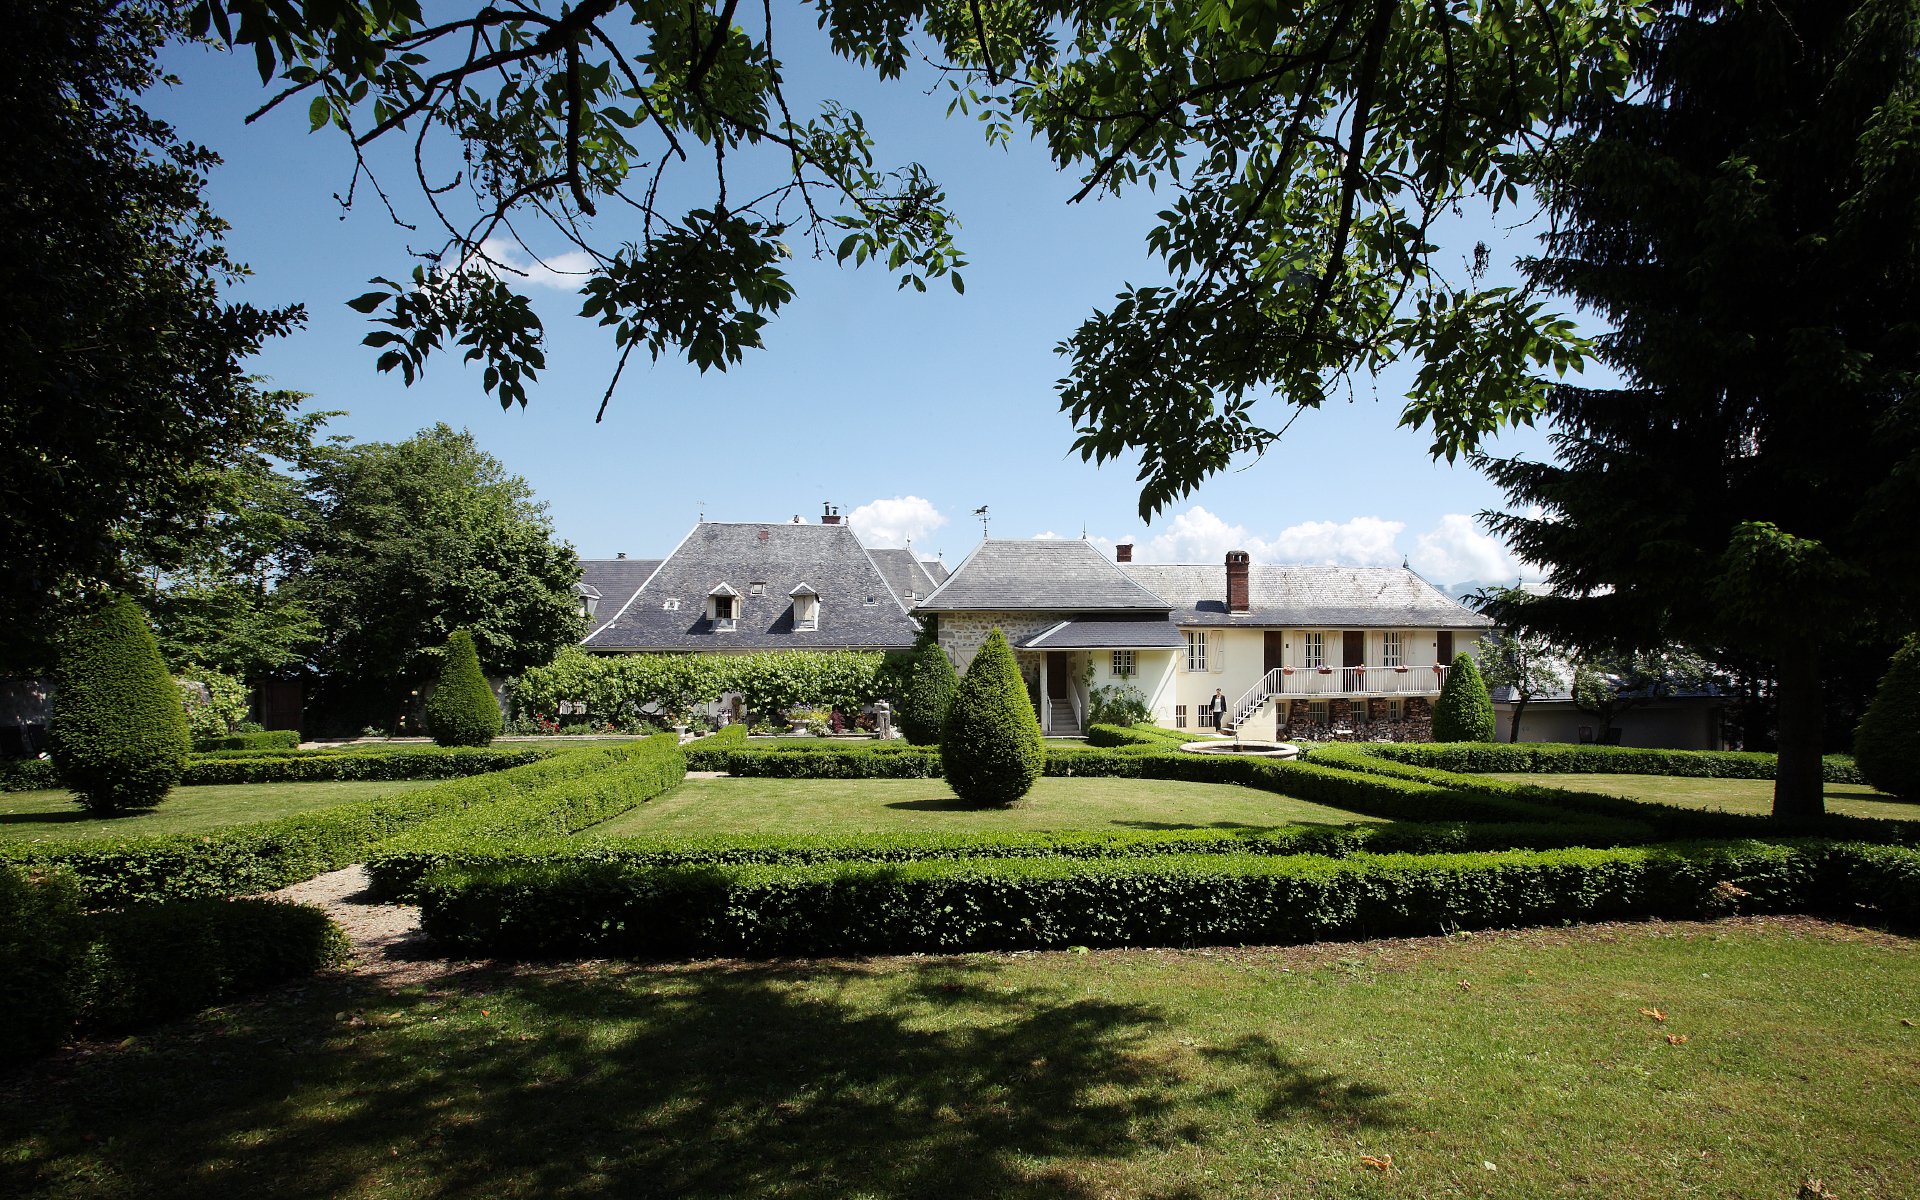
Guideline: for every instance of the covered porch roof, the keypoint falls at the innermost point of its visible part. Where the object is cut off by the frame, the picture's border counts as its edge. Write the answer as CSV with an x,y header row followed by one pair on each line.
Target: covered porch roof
x,y
1108,633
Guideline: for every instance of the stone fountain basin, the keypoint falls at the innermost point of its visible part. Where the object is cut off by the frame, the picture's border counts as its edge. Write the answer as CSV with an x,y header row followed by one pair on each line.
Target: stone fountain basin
x,y
1244,748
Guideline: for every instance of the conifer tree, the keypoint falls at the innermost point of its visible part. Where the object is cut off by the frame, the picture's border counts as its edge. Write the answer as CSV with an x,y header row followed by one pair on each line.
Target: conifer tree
x,y
931,683
991,749
1886,746
462,710
1464,711
119,731
1743,220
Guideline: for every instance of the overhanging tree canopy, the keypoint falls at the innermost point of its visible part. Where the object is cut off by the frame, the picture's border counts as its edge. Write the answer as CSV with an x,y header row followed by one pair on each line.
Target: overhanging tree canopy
x,y
1748,222
1309,150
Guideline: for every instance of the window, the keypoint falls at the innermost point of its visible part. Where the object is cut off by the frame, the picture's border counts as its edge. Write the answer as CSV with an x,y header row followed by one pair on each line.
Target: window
x,y
1315,652
806,612
671,604
1317,712
757,588
1395,709
1122,664
1391,654
1196,650
1179,716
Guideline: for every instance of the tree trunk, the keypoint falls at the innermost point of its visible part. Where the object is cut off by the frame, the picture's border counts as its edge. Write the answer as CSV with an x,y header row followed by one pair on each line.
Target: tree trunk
x,y
1799,791
1519,706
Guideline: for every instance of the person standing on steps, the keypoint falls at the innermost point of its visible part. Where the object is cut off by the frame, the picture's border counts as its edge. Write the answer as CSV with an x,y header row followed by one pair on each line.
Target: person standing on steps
x,y
1218,706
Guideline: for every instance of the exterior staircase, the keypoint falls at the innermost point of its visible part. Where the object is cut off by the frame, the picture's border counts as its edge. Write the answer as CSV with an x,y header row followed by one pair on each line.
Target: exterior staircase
x,y
1065,724
1250,704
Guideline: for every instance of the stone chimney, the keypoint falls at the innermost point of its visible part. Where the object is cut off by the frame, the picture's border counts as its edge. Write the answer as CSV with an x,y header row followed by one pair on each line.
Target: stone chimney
x,y
1123,552
829,515
1237,561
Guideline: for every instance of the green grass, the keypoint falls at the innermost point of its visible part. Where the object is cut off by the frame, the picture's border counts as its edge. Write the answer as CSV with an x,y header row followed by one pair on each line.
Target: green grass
x,y
1497,1065
53,816
727,805
1729,795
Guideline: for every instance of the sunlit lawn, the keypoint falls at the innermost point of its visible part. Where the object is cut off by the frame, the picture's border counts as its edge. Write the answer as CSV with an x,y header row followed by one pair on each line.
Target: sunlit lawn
x,y
1731,795
1503,1065
53,816
729,805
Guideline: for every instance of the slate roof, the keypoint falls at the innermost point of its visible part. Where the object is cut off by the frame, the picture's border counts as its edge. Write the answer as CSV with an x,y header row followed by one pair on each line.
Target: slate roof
x,y
857,609
936,570
1057,575
1296,596
1118,633
905,576
615,580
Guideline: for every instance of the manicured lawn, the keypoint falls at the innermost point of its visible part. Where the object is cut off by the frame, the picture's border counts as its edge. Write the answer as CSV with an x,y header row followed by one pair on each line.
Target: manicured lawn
x,y
1731,795
52,816
705,806
1502,1065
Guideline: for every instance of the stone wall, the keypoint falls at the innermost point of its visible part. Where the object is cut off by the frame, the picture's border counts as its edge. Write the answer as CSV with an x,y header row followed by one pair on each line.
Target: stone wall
x,y
962,634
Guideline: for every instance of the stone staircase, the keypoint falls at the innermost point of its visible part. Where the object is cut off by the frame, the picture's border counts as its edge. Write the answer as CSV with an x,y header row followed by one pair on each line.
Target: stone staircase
x,y
1064,723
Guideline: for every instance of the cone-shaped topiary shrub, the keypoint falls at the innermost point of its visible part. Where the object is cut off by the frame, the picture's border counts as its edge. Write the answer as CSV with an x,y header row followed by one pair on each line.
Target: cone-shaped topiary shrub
x,y
990,748
930,687
1886,744
1464,711
462,710
119,731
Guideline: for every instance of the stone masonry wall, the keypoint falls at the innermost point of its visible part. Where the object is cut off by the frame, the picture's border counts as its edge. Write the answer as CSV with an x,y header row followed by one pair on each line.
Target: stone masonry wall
x,y
962,634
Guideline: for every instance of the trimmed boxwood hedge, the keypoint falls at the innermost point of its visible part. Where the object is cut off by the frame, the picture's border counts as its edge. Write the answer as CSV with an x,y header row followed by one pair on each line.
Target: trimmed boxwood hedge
x,y
247,859
1887,741
991,751
270,739
640,773
118,732
462,709
568,908
1560,758
312,766
64,969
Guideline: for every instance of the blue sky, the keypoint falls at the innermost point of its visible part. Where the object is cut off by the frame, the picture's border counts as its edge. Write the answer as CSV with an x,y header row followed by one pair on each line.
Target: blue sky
x,y
907,411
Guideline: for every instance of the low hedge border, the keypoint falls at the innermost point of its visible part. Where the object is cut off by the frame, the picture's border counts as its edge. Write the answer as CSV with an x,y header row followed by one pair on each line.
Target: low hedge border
x,y
309,766
1333,841
246,859
573,908
271,739
646,770
64,969
1670,821
1559,758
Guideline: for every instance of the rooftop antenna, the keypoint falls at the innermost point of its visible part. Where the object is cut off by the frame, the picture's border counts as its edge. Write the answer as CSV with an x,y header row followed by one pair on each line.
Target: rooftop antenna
x,y
1083,531
981,512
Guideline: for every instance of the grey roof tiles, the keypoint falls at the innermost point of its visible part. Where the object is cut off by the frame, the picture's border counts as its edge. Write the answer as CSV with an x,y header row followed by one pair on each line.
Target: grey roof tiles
x,y
1306,596
762,563
905,575
1061,576
1114,633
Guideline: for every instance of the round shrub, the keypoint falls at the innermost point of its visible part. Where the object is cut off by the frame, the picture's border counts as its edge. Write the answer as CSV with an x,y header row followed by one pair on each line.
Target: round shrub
x,y
1464,711
119,730
930,687
1886,744
462,711
990,747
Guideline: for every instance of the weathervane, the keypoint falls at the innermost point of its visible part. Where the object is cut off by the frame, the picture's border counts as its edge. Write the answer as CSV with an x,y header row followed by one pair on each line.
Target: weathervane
x,y
981,512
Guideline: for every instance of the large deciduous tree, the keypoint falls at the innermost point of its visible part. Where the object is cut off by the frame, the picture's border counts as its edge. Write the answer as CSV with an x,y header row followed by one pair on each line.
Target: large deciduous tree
x,y
1309,150
413,540
119,361
1747,221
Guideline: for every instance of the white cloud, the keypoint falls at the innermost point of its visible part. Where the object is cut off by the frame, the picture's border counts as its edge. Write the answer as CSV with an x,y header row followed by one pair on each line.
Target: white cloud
x,y
1454,552
565,271
1199,536
895,522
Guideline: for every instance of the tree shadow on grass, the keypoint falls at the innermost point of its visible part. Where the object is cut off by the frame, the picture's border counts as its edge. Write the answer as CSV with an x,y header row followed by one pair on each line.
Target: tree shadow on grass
x,y
935,804
59,818
924,1078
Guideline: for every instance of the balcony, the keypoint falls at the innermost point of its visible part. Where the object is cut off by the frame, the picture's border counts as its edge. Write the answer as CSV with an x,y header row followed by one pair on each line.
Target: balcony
x,y
1356,681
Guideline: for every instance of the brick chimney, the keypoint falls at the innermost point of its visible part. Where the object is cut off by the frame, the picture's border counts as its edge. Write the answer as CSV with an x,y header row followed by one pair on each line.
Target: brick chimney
x,y
1237,561
1123,552
829,515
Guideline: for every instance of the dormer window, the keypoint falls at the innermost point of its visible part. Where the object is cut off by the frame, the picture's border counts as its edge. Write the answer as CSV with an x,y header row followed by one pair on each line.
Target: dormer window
x,y
723,608
806,608
589,599
670,604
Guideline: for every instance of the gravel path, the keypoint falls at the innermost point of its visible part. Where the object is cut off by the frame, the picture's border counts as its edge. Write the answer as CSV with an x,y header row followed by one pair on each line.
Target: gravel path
x,y
387,940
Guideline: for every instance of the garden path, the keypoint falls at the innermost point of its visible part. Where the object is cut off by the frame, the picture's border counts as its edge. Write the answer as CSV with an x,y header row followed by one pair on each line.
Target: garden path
x,y
387,940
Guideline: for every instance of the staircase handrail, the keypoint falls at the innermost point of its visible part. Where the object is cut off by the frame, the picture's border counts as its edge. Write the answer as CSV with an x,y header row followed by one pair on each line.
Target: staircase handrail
x,y
1255,696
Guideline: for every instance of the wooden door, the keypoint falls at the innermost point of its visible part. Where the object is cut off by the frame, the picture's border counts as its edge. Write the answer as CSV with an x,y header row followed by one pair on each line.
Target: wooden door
x,y
1444,647
1276,650
1353,648
1059,675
